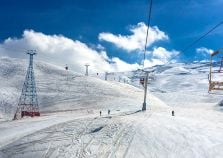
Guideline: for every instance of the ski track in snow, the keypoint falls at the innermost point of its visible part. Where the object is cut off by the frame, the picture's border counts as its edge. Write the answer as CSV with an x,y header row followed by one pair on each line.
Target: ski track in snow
x,y
150,134
75,139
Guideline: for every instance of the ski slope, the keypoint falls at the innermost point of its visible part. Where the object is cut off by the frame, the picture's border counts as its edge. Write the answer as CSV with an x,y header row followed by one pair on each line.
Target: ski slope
x,y
185,85
70,125
59,90
154,133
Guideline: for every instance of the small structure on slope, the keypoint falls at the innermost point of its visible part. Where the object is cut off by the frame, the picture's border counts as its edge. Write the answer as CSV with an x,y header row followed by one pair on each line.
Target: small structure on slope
x,y
86,65
214,77
66,67
28,102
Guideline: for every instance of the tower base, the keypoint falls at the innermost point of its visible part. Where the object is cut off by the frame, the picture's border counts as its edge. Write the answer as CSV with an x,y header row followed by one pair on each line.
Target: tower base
x,y
144,107
31,114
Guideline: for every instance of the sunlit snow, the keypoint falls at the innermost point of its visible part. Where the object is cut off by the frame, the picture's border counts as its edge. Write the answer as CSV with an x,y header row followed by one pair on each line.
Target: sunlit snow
x,y
70,124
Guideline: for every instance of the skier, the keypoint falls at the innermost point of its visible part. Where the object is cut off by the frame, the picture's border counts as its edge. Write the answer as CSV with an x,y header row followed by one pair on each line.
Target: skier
x,y
100,113
172,112
108,112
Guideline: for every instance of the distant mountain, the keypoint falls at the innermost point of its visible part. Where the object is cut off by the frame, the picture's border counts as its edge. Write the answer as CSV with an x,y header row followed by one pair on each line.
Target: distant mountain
x,y
175,82
185,82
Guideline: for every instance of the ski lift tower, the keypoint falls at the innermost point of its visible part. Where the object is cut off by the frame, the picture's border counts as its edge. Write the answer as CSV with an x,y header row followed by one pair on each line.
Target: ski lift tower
x,y
28,102
144,82
86,65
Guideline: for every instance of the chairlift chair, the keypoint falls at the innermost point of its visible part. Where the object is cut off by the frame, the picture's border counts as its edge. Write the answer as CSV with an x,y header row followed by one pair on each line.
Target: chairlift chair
x,y
215,85
220,65
142,80
66,67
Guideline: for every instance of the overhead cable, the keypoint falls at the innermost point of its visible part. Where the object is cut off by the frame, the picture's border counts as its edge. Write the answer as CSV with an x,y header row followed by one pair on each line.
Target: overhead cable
x,y
147,32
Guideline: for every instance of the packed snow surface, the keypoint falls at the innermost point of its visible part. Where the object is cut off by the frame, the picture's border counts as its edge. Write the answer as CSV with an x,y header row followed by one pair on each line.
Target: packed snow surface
x,y
70,125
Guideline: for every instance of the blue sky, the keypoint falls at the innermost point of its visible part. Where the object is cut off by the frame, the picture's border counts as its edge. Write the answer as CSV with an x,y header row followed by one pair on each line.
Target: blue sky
x,y
182,21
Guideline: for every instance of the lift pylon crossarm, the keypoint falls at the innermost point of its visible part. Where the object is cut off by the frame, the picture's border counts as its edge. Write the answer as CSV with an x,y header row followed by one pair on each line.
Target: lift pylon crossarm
x,y
217,52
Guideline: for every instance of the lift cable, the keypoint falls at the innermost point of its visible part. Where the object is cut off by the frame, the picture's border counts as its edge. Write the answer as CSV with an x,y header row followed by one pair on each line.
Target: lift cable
x,y
147,32
196,41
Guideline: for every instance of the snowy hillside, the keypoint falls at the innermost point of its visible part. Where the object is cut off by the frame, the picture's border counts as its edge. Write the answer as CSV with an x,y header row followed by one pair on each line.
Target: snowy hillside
x,y
57,89
70,124
178,84
185,85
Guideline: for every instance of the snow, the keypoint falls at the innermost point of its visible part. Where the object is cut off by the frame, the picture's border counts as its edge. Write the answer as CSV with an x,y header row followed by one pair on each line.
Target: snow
x,y
59,90
70,125
185,89
190,139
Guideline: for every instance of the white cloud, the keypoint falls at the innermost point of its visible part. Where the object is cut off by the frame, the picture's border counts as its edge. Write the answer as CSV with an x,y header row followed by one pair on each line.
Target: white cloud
x,y
160,56
136,41
163,54
60,50
153,62
100,47
121,65
204,51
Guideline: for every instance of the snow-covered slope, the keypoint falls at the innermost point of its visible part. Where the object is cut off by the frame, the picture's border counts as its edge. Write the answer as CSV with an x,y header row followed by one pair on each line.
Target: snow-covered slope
x,y
179,84
184,85
75,128
57,89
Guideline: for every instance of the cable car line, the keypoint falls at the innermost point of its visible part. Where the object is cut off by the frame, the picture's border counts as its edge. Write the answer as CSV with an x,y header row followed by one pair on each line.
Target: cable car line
x,y
147,32
197,40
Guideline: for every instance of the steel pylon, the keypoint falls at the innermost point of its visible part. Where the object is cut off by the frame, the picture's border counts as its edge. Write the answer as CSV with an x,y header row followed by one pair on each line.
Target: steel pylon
x,y
28,101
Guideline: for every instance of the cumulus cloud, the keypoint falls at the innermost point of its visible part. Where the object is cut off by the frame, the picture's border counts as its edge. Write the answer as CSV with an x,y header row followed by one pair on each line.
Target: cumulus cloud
x,y
120,64
135,41
153,62
61,50
160,56
204,51
163,54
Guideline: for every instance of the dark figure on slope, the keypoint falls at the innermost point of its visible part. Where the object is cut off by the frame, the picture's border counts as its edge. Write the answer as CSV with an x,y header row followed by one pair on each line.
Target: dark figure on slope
x,y
172,112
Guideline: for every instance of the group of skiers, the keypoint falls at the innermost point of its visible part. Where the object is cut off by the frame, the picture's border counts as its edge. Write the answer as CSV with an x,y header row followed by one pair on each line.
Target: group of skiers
x,y
108,112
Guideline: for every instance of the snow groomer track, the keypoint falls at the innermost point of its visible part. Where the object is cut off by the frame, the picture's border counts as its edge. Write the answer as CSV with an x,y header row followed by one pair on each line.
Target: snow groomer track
x,y
108,136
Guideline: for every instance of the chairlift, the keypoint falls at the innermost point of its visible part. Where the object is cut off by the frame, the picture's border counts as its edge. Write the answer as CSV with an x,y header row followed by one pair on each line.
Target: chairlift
x,y
142,80
214,84
220,71
66,67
